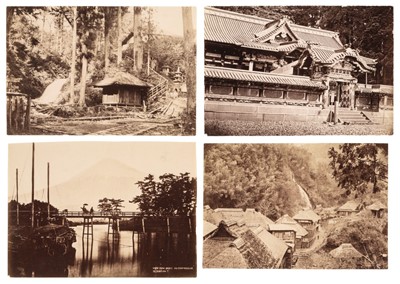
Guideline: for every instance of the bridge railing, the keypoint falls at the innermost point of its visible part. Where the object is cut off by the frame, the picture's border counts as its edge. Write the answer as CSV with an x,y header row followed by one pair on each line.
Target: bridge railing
x,y
97,214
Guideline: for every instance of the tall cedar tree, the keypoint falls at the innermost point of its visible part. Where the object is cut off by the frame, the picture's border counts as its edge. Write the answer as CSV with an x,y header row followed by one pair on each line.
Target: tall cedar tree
x,y
172,195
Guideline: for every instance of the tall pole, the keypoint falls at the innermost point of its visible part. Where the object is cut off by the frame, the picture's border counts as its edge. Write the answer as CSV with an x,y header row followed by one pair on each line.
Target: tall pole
x,y
189,50
16,179
48,192
33,185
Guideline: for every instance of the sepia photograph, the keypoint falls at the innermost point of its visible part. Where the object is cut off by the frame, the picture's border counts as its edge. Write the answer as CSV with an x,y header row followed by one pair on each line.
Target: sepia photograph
x,y
102,209
295,206
298,70
101,70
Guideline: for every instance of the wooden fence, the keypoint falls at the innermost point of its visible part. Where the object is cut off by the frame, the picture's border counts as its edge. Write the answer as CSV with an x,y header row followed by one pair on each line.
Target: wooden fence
x,y
18,113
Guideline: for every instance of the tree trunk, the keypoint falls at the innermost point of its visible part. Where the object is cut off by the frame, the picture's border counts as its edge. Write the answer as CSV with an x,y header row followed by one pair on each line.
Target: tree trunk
x,y
119,55
189,51
137,44
83,77
107,18
10,16
73,57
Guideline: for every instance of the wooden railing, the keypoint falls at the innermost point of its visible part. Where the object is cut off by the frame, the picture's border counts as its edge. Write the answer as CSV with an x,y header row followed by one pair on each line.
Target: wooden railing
x,y
158,90
96,214
261,100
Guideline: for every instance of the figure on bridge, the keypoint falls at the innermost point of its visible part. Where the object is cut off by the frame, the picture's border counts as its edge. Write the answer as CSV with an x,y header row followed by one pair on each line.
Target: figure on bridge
x,y
84,208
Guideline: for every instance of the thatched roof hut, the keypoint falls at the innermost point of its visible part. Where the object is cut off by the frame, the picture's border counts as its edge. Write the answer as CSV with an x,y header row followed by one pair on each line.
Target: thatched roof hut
x,y
234,245
378,209
208,229
250,217
307,215
350,207
345,251
286,219
123,89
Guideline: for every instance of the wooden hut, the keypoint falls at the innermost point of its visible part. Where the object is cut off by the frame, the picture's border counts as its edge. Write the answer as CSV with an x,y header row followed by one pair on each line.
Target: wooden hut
x,y
301,233
378,209
310,221
349,208
124,89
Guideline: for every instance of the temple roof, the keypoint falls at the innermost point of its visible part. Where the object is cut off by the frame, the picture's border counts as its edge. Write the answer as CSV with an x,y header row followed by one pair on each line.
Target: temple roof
x,y
234,28
279,36
262,77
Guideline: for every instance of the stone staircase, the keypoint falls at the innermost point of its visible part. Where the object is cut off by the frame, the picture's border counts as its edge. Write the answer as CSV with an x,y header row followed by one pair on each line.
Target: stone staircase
x,y
347,116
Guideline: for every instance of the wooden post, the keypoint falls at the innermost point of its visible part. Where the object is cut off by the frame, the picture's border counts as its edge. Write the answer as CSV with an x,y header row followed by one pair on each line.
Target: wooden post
x,y
335,114
168,228
48,192
16,180
33,185
143,227
189,48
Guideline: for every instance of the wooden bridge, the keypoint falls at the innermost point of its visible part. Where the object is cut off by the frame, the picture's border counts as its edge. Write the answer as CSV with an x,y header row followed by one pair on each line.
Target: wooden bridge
x,y
97,214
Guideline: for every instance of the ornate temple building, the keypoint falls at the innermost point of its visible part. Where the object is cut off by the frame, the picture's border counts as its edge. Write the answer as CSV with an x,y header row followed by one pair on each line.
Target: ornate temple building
x,y
274,64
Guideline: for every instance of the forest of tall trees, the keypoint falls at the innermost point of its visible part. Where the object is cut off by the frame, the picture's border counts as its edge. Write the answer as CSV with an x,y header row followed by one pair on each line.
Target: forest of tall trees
x,y
266,177
86,43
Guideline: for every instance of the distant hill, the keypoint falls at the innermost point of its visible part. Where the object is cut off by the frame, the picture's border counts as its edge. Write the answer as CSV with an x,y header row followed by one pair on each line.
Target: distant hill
x,y
108,178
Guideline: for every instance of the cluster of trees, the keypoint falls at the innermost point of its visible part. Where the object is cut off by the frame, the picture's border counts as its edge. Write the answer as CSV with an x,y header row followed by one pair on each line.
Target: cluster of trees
x,y
367,28
85,43
25,213
261,176
264,176
171,195
110,205
360,167
367,236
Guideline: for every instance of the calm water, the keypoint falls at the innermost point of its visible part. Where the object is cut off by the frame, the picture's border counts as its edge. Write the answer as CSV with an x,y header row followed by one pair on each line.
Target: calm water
x,y
120,255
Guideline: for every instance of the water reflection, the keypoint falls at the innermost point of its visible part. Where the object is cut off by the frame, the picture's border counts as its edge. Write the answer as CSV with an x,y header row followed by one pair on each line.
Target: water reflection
x,y
118,254
146,255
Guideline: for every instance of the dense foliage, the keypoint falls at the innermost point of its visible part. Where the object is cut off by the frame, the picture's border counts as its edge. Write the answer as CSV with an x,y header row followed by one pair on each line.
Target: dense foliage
x,y
357,167
367,236
367,28
25,213
172,195
264,176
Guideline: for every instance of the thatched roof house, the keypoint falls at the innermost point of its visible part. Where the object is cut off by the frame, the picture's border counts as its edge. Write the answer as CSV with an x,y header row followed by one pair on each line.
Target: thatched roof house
x,y
301,233
377,209
123,89
286,219
234,245
349,208
307,215
250,217
208,229
345,251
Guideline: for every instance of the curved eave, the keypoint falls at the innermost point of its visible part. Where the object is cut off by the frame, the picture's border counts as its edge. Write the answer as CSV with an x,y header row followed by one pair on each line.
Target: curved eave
x,y
261,77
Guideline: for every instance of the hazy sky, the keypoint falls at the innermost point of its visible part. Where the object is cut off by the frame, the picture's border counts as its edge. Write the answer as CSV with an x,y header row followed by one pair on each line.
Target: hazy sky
x,y
169,20
68,159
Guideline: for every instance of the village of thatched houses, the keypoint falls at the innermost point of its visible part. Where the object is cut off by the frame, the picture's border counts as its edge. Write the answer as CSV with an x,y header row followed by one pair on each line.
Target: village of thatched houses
x,y
237,238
